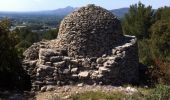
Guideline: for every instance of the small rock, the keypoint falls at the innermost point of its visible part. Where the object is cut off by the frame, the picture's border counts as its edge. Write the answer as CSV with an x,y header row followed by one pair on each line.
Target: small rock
x,y
58,83
66,97
113,51
43,89
66,71
107,65
100,60
80,85
66,58
38,83
74,62
74,76
33,63
86,63
84,74
44,67
50,88
104,55
50,83
74,70
59,64
56,59
93,59
100,83
103,69
48,63
46,52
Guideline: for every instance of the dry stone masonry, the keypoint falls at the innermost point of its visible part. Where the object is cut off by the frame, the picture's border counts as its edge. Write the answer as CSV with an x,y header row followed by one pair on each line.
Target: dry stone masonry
x,y
90,49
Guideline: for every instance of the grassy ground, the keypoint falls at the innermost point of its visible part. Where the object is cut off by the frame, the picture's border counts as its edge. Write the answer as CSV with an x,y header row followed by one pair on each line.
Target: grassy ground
x,y
160,92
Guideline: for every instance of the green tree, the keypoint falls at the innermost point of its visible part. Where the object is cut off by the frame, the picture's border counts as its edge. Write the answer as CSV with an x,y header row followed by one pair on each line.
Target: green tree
x,y
12,74
51,34
138,21
160,34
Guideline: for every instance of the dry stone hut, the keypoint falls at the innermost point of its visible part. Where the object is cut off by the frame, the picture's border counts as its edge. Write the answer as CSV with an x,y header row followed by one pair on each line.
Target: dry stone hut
x,y
90,49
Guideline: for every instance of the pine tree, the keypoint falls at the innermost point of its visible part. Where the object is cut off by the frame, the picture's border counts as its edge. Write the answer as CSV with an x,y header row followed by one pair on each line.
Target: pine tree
x,y
138,21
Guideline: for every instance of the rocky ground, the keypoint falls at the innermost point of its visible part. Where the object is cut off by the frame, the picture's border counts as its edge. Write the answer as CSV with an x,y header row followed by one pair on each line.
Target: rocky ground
x,y
64,92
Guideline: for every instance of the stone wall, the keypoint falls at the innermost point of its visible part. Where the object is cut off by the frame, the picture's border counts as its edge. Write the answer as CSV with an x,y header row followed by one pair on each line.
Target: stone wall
x,y
53,68
90,49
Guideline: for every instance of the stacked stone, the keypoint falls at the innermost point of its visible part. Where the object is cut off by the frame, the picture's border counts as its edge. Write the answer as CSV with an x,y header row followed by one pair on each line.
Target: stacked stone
x,y
54,67
87,30
90,49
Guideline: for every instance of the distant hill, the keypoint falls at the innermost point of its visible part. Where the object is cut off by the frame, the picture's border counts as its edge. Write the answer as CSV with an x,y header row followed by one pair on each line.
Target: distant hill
x,y
61,12
64,11
120,12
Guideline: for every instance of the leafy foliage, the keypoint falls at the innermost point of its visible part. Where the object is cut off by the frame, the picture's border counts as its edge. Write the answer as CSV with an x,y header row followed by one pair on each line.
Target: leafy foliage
x,y
138,21
51,34
152,28
12,74
160,38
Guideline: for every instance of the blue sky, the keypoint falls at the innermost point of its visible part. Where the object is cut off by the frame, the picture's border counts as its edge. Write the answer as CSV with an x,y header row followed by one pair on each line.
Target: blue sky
x,y
38,5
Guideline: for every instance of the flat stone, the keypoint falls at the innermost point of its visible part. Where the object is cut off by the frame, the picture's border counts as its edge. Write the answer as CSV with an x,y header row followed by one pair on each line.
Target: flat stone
x,y
80,85
48,63
38,83
50,88
74,70
66,58
103,69
59,64
66,71
44,67
74,62
50,83
56,59
46,52
84,74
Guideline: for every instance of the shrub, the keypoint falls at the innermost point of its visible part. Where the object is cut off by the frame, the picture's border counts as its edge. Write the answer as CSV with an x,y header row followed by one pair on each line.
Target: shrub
x,y
12,75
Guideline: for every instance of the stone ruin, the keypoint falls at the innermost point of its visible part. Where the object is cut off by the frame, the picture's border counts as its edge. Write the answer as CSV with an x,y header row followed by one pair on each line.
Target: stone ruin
x,y
90,49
